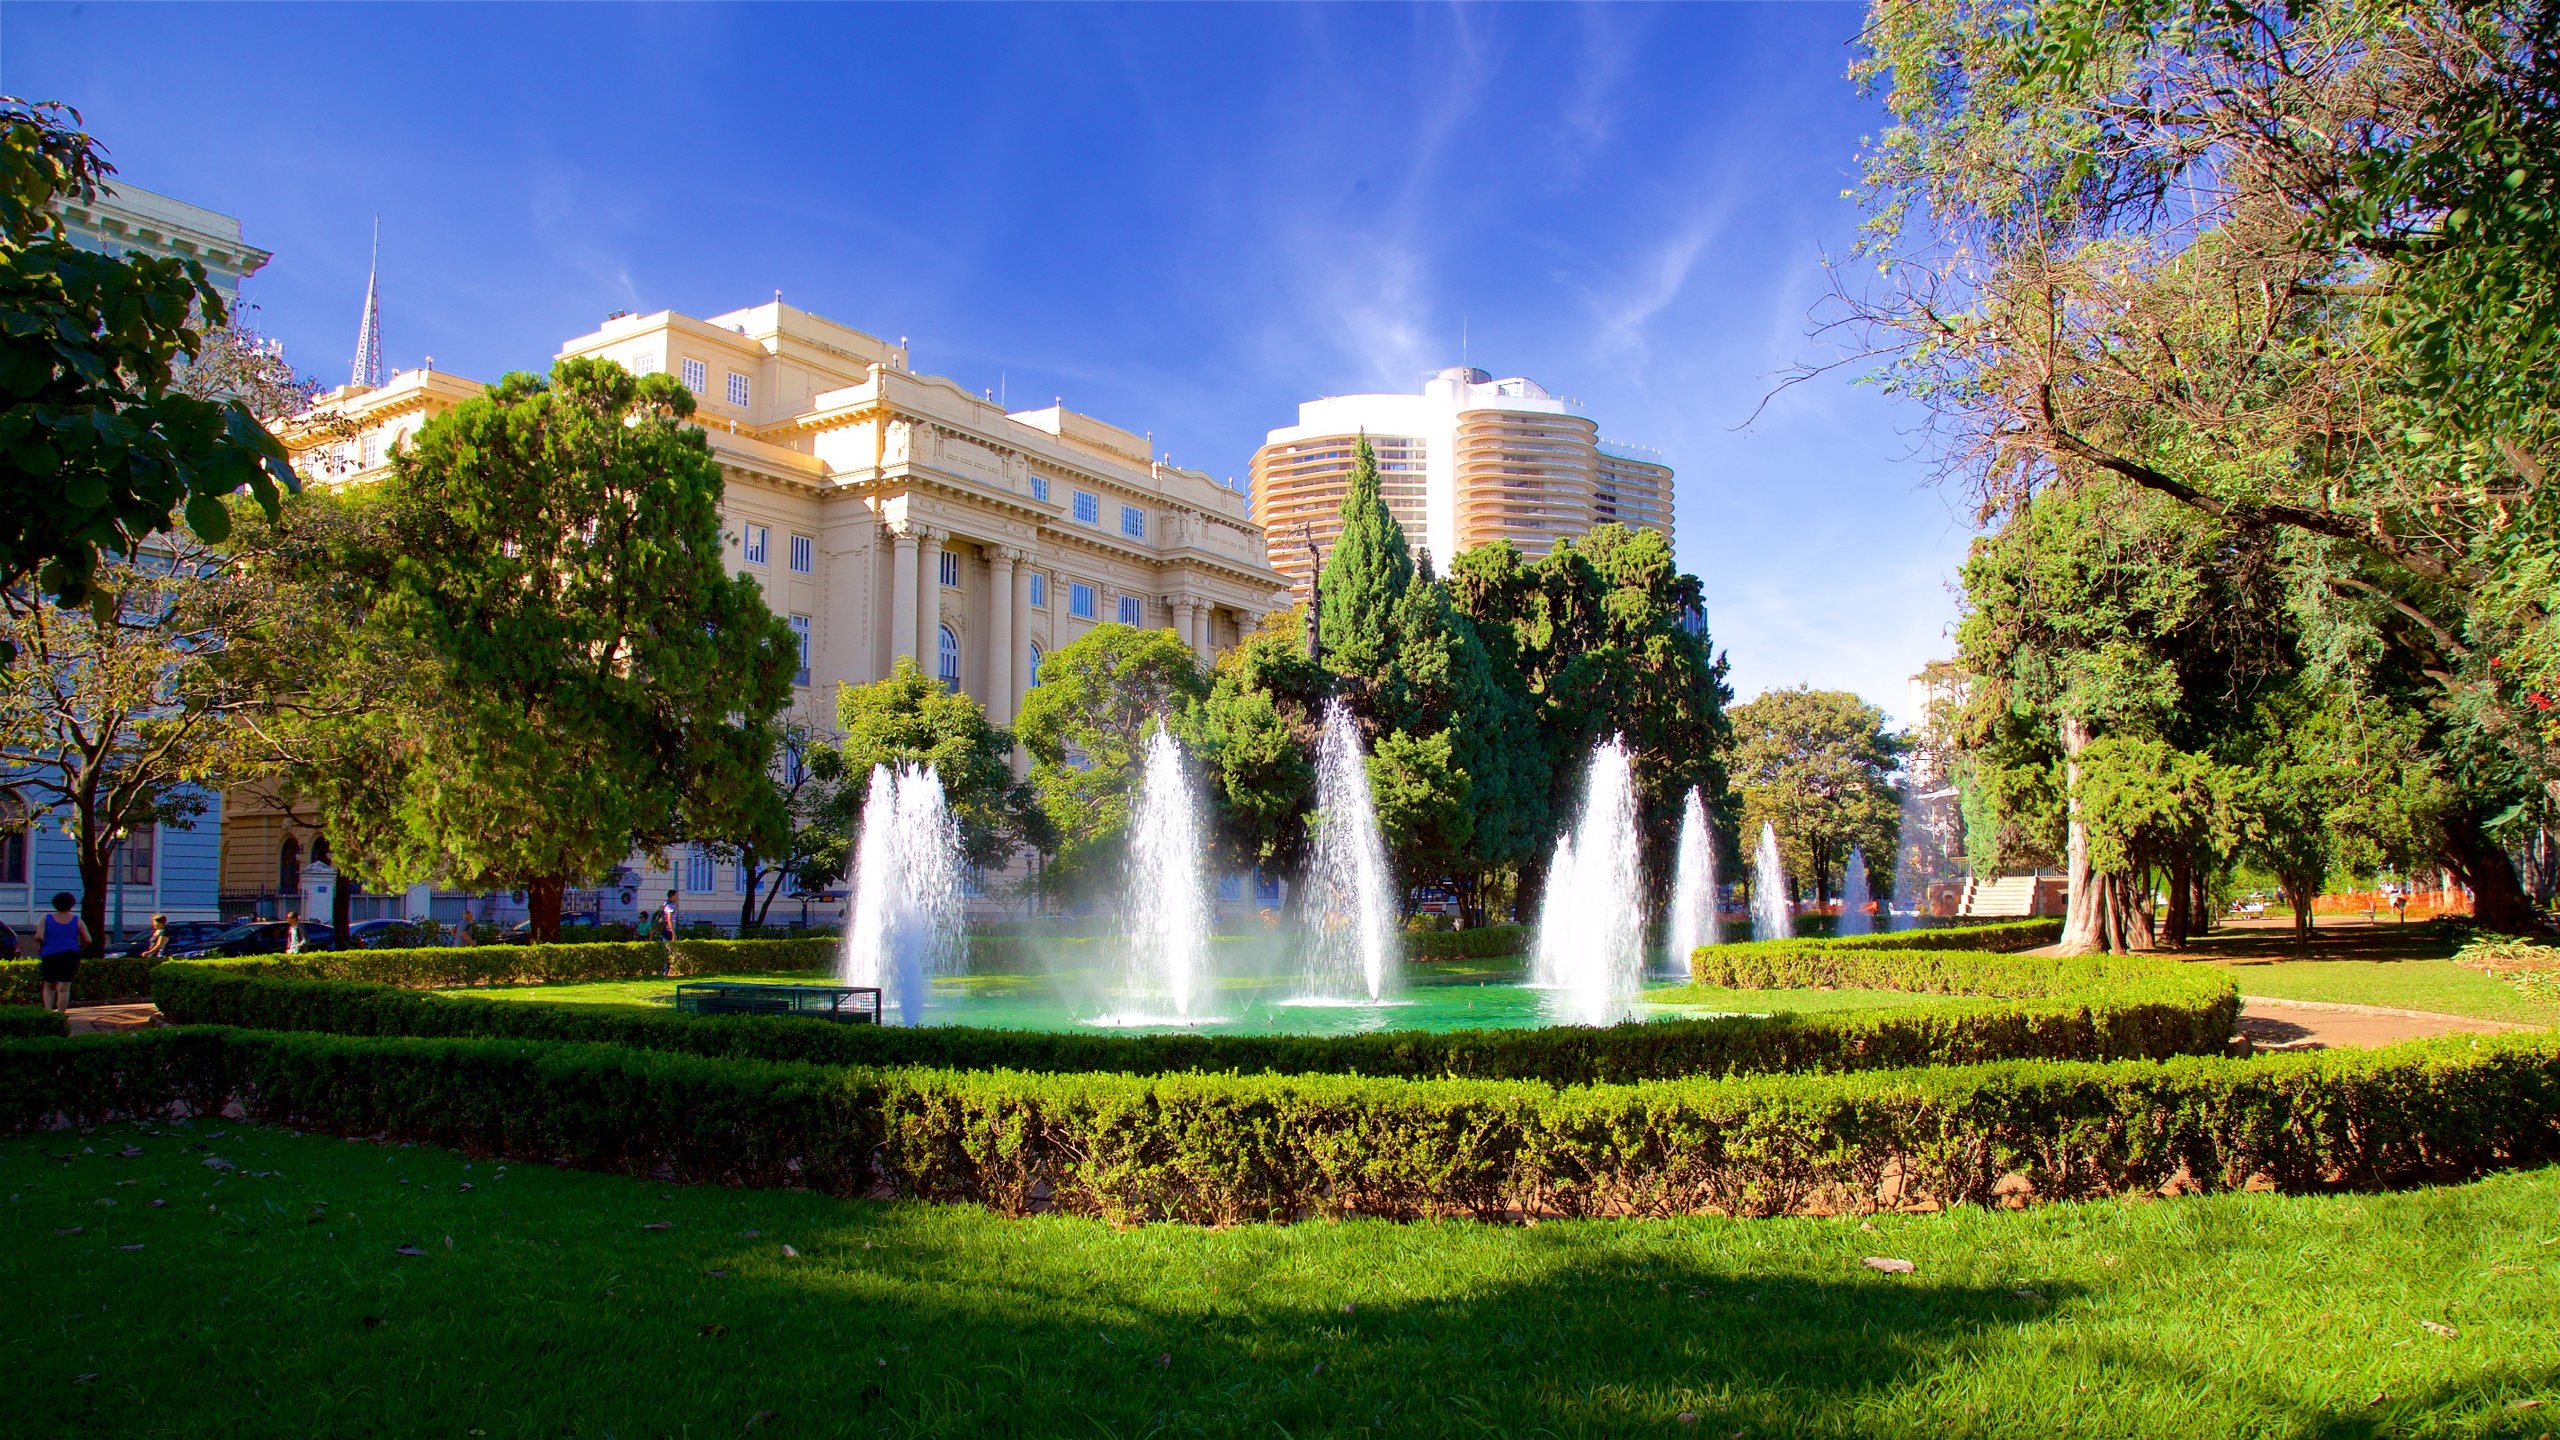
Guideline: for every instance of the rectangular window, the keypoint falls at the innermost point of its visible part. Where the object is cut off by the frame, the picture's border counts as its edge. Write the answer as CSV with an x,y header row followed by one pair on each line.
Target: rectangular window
x,y
133,857
800,627
1039,590
738,390
697,376
1039,487
697,866
950,568
373,447
757,538
738,878
1133,522
1079,599
644,364
1130,607
13,840
1088,508
804,555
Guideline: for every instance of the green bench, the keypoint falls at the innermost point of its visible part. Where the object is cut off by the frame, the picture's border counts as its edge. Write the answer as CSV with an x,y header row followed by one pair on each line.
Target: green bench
x,y
848,1004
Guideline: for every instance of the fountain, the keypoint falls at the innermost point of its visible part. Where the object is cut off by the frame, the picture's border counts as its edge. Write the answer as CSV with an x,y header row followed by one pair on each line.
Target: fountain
x,y
1165,905
1854,919
1350,915
1590,951
905,925
1693,891
1773,917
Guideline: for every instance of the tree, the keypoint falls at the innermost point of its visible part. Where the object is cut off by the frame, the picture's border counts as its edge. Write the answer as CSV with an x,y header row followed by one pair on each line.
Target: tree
x,y
2295,269
120,721
601,683
1258,728
1087,724
1366,574
1817,765
813,844
910,719
1421,799
100,443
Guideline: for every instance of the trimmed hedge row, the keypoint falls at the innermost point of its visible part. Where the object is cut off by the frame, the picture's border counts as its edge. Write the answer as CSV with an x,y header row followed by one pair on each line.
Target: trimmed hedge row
x,y
24,1021
435,965
1989,937
1218,1149
1485,942
2045,1009
101,979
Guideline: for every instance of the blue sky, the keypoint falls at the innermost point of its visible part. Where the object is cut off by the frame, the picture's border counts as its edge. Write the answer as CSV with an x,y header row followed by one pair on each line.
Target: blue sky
x,y
1184,219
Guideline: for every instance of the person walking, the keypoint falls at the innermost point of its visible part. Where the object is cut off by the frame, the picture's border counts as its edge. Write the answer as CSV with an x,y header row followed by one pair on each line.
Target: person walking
x,y
293,932
663,928
462,932
61,939
157,947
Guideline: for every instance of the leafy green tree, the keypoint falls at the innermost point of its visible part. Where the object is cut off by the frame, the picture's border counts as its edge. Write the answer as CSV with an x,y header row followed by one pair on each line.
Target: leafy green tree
x,y
911,719
100,443
2295,269
1363,578
1259,727
1421,798
1817,765
600,681
1086,725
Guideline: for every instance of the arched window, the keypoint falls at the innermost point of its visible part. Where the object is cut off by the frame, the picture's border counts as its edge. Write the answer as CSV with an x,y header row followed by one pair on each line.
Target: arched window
x,y
950,649
289,867
320,850
1035,668
13,838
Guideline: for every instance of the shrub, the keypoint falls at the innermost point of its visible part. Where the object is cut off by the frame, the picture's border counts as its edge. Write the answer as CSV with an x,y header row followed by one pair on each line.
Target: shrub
x,y
1485,942
2048,1008
1998,936
18,1022
444,965
101,979
1220,1148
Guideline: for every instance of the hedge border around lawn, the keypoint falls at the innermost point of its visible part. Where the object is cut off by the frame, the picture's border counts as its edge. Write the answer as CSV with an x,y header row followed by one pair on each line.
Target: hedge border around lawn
x,y
1218,1149
2038,1008
19,1022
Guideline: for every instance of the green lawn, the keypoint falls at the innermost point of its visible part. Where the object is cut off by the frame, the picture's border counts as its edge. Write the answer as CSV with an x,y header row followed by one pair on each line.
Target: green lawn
x,y
276,1298
2437,985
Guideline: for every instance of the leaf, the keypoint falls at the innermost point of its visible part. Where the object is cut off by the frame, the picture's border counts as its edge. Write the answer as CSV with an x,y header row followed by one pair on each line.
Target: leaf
x,y
2436,1327
659,1225
128,1247
216,1162
714,1328
407,1250
209,518
790,1254
760,1417
1890,1265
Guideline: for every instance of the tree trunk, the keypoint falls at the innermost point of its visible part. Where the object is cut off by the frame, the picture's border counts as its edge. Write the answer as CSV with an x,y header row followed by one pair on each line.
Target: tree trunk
x,y
542,897
95,852
2299,891
2176,926
754,886
2498,903
2084,916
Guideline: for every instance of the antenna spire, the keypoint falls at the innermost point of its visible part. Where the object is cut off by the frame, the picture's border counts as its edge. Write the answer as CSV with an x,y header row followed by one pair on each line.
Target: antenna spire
x,y
368,366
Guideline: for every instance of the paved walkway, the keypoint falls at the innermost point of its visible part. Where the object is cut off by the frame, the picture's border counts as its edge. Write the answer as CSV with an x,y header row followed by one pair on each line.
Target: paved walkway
x,y
107,1019
2273,1024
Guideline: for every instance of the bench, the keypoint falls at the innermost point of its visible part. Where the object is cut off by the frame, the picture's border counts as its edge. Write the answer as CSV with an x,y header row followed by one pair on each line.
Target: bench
x,y
847,1004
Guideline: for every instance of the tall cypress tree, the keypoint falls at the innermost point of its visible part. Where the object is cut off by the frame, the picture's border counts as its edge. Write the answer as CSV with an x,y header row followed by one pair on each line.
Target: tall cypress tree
x,y
1364,577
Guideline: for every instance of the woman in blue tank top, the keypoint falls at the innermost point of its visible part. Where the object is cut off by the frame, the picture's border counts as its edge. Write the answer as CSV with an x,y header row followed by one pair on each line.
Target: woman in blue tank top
x,y
60,939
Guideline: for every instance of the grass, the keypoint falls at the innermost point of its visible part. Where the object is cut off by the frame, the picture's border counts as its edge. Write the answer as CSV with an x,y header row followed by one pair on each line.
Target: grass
x,y
2436,985
2405,967
276,1298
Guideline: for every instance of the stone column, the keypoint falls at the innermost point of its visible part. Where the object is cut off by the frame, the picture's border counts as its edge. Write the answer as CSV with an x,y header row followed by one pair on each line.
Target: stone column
x,y
1000,638
928,588
902,595
1200,615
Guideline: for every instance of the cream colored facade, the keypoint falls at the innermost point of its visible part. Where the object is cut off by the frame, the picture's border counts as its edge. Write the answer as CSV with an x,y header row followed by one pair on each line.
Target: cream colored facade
x,y
1470,460
129,220
890,514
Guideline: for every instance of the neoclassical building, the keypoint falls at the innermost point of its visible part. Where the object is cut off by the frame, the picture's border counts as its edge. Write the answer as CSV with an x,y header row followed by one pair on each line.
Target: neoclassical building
x,y
884,513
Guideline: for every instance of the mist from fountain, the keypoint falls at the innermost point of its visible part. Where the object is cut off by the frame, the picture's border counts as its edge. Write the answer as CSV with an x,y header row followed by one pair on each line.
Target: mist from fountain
x,y
905,925
1165,903
1591,925
1903,911
1773,915
1349,909
1854,919
1693,890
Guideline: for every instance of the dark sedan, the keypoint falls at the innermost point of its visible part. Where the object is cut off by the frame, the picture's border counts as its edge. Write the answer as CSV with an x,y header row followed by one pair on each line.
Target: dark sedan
x,y
184,935
258,937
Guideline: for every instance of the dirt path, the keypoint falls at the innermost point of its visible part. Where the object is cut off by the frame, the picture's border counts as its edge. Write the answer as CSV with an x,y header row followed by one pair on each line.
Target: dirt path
x,y
2273,1024
108,1019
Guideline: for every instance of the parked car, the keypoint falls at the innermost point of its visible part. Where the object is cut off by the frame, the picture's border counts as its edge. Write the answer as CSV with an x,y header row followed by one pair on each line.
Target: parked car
x,y
184,935
258,937
8,942
521,932
387,935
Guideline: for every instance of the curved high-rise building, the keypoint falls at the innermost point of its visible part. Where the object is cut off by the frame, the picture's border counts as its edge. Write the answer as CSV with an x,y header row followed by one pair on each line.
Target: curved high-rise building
x,y
1470,460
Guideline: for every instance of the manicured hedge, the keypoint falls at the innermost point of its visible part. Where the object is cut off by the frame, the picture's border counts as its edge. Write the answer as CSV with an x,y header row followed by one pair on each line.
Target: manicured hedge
x,y
1221,1148
1485,942
437,965
1996,936
100,980
2041,1008
24,1021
